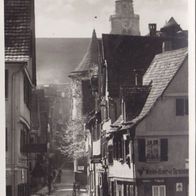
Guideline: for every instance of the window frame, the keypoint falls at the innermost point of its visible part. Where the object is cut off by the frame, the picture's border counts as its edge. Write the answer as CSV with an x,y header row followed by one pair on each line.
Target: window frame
x,y
158,159
159,188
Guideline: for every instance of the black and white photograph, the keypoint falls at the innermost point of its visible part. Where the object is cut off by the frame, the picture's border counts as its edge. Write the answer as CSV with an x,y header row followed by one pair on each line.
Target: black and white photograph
x,y
97,98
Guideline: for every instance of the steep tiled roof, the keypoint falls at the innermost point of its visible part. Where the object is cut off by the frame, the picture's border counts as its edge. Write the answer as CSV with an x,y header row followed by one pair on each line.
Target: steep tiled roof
x,y
18,29
91,56
161,72
16,58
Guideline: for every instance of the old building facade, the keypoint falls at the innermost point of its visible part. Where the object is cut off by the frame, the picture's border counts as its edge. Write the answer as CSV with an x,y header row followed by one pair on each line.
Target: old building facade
x,y
20,79
161,136
84,79
121,97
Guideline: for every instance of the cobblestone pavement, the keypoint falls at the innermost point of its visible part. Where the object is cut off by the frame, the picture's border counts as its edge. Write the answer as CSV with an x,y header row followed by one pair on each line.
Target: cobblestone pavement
x,y
64,188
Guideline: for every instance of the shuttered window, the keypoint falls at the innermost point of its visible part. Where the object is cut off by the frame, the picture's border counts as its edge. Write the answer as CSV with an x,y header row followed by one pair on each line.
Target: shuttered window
x,y
110,155
153,149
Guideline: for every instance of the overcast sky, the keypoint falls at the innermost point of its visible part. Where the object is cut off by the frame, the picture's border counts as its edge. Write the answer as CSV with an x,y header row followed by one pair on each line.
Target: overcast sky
x,y
75,18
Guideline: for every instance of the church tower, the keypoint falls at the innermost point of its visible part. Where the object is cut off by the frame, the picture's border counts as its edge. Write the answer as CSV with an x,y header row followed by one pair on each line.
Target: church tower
x,y
124,21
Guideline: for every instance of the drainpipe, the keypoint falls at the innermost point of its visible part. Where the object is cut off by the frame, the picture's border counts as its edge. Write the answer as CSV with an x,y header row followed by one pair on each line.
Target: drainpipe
x,y
133,159
13,157
95,188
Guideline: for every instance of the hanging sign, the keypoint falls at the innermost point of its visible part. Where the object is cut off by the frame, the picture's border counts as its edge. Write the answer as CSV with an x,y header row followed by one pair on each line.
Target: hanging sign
x,y
179,187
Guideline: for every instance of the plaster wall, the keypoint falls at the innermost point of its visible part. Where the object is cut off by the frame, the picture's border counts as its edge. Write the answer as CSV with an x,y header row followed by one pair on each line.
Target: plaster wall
x,y
15,105
162,119
162,122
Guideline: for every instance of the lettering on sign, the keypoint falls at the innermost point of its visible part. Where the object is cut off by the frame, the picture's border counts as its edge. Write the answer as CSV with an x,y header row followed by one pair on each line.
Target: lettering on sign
x,y
159,180
179,187
153,180
166,172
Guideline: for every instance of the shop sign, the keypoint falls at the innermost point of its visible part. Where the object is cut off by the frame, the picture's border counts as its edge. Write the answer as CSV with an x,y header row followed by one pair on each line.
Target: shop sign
x,y
159,180
80,168
179,187
153,180
161,172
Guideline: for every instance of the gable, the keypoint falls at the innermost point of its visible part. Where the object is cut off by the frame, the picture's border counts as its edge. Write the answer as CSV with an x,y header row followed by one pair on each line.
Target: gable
x,y
179,84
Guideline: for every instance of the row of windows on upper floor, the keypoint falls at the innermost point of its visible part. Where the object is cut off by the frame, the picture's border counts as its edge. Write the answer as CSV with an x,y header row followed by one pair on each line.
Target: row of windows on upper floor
x,y
149,150
181,110
26,86
131,110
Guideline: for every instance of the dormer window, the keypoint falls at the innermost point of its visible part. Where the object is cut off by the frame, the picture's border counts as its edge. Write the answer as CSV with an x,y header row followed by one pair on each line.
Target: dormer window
x,y
133,100
138,76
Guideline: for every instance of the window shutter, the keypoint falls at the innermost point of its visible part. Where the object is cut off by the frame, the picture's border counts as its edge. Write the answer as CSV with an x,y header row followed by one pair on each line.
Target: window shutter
x,y
126,146
110,155
141,150
186,106
115,149
179,107
122,148
164,149
6,83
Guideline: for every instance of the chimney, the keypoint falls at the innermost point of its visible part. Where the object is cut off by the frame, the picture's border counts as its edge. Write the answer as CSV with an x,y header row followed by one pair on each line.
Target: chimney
x,y
152,29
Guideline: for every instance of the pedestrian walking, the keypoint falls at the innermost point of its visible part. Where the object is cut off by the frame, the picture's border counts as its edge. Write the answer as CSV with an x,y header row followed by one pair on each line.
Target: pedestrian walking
x,y
60,174
50,178
74,189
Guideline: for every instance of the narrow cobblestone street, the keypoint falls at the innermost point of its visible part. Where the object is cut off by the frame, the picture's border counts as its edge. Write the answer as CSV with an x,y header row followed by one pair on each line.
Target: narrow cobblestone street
x,y
65,188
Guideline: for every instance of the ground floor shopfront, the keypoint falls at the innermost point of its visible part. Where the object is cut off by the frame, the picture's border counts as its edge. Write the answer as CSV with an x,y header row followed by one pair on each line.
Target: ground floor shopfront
x,y
120,187
171,186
